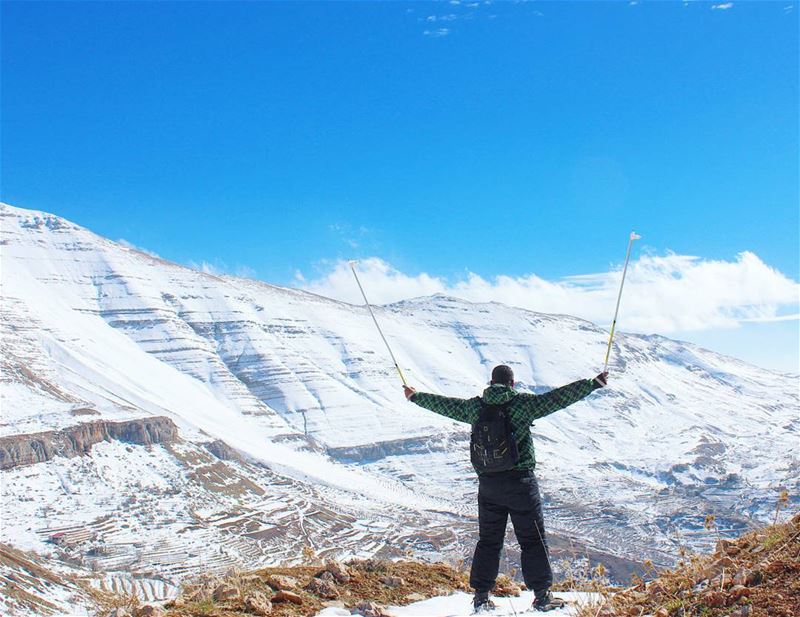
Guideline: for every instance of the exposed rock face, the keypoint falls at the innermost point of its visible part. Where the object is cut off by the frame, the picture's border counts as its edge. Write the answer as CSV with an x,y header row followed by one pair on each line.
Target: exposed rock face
x,y
17,450
222,450
257,603
413,445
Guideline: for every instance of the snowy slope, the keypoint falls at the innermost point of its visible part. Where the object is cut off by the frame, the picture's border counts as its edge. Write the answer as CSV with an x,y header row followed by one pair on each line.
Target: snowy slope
x,y
459,604
300,386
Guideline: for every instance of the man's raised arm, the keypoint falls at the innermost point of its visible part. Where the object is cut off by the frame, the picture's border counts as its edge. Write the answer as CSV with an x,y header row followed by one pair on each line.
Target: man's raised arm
x,y
541,405
460,409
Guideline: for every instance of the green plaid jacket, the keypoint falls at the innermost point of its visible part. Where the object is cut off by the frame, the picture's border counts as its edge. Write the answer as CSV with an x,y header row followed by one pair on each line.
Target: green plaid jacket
x,y
524,409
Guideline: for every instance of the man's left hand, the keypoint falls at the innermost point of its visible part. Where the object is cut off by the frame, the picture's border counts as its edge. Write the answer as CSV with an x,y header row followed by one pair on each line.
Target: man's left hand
x,y
602,379
409,391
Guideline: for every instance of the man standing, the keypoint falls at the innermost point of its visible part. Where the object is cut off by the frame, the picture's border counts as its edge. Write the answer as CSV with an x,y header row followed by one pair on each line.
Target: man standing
x,y
502,454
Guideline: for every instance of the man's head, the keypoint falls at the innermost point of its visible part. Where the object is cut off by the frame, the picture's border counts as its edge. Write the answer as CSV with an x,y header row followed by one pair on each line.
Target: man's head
x,y
503,375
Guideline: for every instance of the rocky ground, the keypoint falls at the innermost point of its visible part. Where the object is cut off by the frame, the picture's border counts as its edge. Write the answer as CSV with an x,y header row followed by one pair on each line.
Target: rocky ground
x,y
366,587
757,575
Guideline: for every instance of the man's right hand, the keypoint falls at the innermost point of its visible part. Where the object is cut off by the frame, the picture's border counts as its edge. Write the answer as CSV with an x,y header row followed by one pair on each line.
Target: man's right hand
x,y
602,379
409,391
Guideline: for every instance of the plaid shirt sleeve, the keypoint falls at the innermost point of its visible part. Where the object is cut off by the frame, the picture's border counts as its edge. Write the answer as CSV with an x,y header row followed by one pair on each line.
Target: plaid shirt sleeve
x,y
460,409
540,405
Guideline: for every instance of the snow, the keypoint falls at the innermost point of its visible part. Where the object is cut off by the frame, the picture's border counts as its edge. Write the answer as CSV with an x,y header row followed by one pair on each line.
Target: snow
x,y
302,387
459,604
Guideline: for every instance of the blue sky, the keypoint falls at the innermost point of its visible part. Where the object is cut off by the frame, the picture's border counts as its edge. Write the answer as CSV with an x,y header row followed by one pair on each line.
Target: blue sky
x,y
450,139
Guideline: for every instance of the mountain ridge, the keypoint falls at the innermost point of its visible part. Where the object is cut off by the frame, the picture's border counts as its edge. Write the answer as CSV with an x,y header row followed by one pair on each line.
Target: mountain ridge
x,y
300,386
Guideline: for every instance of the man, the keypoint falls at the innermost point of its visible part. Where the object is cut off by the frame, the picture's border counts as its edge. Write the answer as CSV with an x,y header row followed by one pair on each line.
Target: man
x,y
502,454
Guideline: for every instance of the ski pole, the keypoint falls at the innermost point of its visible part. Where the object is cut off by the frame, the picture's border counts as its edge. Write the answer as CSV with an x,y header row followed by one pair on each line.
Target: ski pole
x,y
633,236
352,264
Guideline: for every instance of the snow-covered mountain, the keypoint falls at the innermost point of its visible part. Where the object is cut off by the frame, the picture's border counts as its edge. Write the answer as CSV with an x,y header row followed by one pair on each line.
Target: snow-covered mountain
x,y
281,423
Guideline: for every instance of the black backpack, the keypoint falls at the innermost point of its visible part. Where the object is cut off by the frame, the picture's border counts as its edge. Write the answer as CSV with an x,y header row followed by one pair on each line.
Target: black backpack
x,y
492,444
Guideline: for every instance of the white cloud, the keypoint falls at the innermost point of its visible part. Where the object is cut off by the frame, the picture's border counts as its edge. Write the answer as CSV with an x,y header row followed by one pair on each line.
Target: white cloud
x,y
219,268
245,272
439,32
133,247
206,268
435,18
663,294
722,7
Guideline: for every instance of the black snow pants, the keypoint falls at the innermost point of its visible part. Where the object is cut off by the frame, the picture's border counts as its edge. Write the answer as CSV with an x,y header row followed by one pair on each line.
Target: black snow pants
x,y
514,493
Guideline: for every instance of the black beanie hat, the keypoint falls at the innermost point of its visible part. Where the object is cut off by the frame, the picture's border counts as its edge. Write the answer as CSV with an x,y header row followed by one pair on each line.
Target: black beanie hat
x,y
503,374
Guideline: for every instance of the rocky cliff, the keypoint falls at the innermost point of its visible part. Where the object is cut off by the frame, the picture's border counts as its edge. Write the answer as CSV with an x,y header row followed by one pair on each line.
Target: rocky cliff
x,y
17,450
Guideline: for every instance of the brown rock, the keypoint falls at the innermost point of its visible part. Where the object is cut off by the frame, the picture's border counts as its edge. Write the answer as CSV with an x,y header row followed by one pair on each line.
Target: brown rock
x,y
723,562
374,565
251,578
393,581
326,576
281,582
662,612
414,597
743,611
727,547
721,582
225,592
339,571
371,609
506,587
739,591
323,589
714,598
119,612
257,603
754,577
333,604
148,610
287,596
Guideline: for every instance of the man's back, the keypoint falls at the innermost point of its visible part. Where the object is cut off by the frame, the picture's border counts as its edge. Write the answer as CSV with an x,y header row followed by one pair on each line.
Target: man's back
x,y
523,409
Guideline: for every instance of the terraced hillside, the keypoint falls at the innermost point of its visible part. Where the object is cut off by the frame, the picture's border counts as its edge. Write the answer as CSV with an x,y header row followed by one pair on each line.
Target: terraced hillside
x,y
292,431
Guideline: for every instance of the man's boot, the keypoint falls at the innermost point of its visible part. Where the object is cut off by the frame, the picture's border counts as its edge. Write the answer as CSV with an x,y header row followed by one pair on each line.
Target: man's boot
x,y
481,603
545,601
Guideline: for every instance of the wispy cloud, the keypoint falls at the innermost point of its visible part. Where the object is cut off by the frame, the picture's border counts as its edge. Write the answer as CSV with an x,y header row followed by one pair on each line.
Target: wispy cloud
x,y
438,32
457,11
348,234
132,246
664,294
220,268
435,18
722,7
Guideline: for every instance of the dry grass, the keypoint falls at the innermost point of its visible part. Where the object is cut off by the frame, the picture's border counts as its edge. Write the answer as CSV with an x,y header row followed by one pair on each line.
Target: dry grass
x,y
106,602
757,575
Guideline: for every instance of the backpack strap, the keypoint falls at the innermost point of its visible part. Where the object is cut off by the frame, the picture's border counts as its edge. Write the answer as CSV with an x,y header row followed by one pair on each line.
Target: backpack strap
x,y
499,407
